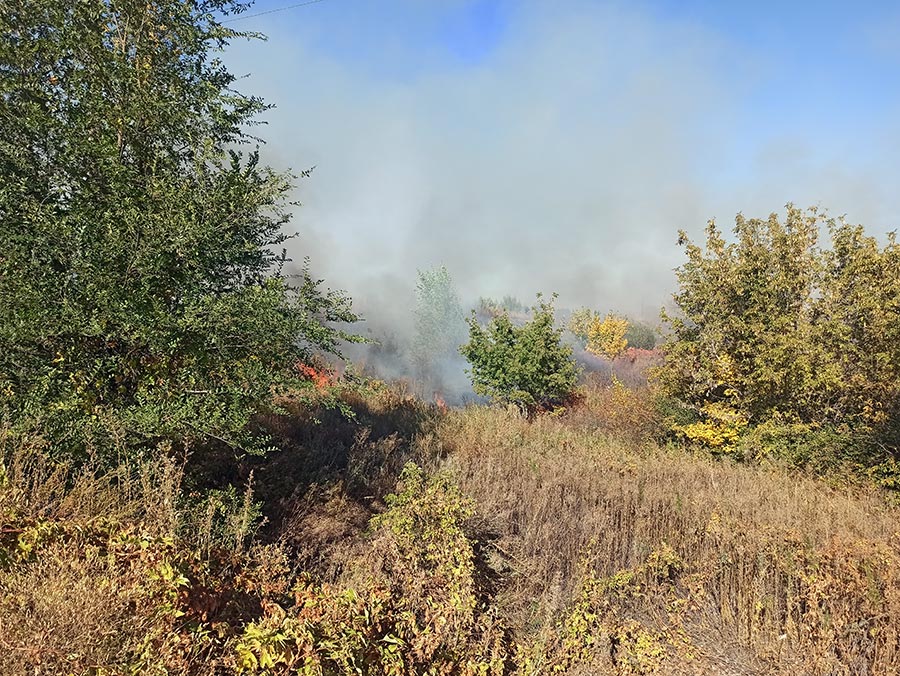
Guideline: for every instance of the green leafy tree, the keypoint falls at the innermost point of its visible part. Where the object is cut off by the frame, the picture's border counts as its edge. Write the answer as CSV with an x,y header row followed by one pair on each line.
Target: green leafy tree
x,y
640,335
141,285
774,328
857,317
523,365
580,322
440,323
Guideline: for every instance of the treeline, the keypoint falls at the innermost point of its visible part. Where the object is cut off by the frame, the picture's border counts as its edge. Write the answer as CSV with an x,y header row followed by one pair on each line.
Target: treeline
x,y
780,346
527,350
143,297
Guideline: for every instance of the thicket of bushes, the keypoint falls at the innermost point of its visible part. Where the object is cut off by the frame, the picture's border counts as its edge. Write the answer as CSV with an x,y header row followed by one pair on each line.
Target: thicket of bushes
x,y
789,345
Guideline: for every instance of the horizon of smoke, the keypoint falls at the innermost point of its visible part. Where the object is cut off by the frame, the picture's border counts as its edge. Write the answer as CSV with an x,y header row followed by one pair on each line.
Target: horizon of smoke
x,y
563,160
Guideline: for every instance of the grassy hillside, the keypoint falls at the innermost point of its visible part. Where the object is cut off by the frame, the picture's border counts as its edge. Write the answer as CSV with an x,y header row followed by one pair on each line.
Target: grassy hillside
x,y
568,544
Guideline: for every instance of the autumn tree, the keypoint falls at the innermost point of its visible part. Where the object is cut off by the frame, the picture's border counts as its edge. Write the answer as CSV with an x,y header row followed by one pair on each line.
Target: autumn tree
x,y
141,287
772,327
606,337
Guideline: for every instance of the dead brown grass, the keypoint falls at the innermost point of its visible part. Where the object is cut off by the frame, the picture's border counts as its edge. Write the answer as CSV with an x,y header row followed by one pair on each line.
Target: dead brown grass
x,y
105,571
69,604
71,614
783,573
596,550
37,487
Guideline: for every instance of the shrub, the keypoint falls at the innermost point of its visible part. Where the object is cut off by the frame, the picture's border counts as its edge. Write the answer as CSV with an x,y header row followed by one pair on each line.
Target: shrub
x,y
609,333
595,632
512,304
492,307
640,336
627,412
89,598
523,365
413,607
719,428
120,572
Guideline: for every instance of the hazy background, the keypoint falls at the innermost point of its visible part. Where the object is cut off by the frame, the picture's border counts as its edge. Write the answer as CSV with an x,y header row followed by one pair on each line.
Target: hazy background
x,y
559,145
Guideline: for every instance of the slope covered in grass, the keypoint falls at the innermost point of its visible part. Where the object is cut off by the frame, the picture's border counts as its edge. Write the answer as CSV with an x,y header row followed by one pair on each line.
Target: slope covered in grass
x,y
472,541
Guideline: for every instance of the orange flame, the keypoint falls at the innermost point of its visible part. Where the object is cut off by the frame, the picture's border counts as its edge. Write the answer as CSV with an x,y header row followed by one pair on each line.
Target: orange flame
x,y
320,378
439,401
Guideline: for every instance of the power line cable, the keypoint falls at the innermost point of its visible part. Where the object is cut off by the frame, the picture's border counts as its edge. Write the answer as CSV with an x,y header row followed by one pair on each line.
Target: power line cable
x,y
272,11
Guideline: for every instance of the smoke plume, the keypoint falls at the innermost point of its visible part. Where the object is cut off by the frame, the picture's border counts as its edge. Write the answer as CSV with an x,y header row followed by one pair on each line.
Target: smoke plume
x,y
534,146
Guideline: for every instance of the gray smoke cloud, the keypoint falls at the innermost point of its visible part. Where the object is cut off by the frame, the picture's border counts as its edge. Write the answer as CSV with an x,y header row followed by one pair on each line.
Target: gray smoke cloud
x,y
562,160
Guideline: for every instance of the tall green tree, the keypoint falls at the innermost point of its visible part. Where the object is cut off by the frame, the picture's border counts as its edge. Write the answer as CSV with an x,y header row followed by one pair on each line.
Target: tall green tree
x,y
141,286
439,322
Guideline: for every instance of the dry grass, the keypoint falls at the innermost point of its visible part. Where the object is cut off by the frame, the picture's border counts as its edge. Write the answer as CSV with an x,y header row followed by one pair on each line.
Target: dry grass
x,y
69,604
70,614
104,571
35,487
333,471
782,573
596,551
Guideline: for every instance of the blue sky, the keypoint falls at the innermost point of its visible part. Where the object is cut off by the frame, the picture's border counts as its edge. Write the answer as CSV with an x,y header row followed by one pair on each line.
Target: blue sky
x,y
558,145
838,45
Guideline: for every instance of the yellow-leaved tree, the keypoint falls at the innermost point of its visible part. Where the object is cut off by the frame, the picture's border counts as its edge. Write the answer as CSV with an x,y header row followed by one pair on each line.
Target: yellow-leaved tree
x,y
792,339
606,337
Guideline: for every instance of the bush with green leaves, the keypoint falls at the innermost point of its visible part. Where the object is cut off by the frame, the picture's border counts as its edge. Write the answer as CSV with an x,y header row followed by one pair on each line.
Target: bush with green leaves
x,y
777,329
141,286
523,365
416,606
580,322
640,335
